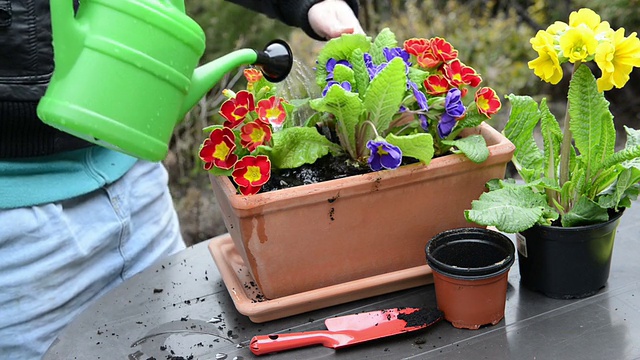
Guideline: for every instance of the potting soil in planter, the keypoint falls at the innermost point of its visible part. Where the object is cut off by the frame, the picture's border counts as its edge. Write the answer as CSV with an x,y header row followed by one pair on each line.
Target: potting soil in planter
x,y
324,169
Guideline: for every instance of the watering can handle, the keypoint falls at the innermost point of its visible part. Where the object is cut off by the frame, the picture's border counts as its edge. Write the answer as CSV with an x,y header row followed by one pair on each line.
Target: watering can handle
x,y
178,4
66,33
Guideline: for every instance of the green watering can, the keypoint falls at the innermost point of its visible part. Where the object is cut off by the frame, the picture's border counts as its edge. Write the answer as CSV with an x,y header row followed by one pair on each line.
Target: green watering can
x,y
125,72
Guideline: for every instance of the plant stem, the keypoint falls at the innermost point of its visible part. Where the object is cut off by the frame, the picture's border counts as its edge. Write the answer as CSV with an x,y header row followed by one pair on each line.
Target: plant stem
x,y
404,120
361,132
373,127
565,149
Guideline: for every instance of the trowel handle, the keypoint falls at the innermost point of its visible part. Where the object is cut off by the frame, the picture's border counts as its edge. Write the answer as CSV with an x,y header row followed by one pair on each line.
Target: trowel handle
x,y
265,344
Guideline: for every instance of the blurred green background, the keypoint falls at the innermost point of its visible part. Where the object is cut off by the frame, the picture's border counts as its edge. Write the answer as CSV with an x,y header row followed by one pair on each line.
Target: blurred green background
x,y
491,36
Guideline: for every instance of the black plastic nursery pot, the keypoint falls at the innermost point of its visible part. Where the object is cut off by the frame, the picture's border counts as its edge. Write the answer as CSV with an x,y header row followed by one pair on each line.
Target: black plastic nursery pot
x,y
567,263
470,268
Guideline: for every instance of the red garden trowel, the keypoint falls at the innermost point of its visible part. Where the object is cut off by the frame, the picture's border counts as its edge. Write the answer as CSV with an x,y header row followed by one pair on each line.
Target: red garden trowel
x,y
350,330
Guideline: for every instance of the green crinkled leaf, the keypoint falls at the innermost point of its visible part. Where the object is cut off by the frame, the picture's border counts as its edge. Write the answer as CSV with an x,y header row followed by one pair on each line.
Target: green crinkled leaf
x,y
264,89
611,195
471,119
519,130
567,190
551,139
633,137
346,107
220,172
339,48
511,209
546,183
629,196
528,174
385,39
385,94
495,184
627,156
474,147
578,182
361,74
209,129
591,122
289,109
626,179
265,84
296,146
417,76
343,73
605,179
584,212
418,146
630,155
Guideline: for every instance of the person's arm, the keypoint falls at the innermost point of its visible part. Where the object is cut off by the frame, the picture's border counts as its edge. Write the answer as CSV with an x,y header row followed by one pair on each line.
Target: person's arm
x,y
320,19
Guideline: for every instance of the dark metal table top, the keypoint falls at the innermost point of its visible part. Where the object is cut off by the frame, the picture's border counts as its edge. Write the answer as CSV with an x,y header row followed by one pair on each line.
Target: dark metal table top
x,y
180,309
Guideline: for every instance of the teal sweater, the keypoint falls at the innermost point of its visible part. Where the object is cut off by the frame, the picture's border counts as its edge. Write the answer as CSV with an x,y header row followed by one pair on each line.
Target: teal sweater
x,y
34,181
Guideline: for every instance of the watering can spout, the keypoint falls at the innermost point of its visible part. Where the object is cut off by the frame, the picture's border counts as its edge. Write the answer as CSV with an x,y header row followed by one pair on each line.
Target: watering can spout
x,y
275,62
66,33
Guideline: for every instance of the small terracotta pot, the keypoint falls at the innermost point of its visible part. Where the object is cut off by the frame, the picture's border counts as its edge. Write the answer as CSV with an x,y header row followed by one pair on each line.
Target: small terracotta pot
x,y
470,268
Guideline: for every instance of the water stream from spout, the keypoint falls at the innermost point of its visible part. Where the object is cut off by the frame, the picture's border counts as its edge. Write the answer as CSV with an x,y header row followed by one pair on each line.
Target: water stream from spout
x,y
300,84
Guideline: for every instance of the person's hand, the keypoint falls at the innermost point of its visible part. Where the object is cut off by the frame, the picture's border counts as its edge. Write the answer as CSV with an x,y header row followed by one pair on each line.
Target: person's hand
x,y
332,18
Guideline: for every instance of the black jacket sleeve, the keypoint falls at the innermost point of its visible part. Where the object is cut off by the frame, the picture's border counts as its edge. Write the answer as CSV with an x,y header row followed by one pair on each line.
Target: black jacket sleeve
x,y
290,12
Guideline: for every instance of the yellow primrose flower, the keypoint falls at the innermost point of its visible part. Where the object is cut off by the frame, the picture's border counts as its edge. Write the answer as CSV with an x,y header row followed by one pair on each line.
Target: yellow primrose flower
x,y
547,65
578,43
604,32
604,56
617,59
557,28
584,16
542,40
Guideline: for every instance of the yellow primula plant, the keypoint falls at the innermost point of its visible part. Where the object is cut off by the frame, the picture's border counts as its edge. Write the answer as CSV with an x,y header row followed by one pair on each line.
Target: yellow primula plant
x,y
576,176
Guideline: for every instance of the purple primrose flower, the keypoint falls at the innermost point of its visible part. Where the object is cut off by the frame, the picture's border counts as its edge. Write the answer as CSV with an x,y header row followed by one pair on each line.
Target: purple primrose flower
x,y
371,67
331,65
453,109
421,100
424,122
345,85
391,53
383,155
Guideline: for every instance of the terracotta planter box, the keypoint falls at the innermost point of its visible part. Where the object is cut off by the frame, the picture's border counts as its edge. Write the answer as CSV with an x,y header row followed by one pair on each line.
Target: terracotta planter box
x,y
308,237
